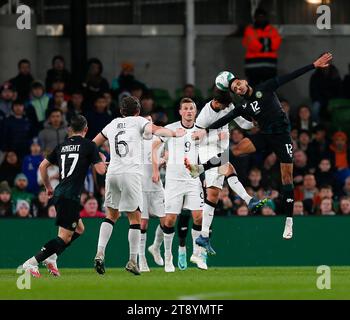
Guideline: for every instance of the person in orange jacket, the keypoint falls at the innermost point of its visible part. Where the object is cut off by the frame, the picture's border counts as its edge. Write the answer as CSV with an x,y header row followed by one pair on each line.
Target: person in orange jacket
x,y
262,42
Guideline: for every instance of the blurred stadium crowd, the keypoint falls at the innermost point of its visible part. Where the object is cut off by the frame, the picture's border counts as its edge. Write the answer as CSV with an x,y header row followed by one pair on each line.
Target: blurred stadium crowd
x,y
35,115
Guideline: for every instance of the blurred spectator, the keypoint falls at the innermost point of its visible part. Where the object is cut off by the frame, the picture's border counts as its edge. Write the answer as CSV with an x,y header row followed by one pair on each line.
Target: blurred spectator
x,y
286,107
147,105
91,209
95,84
98,118
17,130
189,91
326,192
271,174
319,146
304,143
300,166
7,96
262,42
340,155
58,102
326,207
267,211
137,90
54,132
324,174
31,164
304,121
298,208
23,81
38,105
254,179
346,187
40,205
5,200
58,71
52,212
19,192
10,168
23,209
344,206
307,193
225,204
346,84
242,210
112,107
125,81
75,105
325,84
59,85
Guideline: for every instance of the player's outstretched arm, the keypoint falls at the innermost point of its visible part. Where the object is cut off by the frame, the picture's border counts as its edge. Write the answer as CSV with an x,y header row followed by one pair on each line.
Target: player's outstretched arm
x,y
100,139
321,62
44,165
164,132
155,161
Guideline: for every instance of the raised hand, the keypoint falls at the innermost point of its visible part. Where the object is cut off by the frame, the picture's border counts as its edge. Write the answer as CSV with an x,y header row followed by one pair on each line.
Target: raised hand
x,y
198,135
323,61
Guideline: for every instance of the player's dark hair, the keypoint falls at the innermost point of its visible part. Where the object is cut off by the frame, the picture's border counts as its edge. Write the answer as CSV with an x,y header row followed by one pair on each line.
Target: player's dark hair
x,y
78,123
222,97
130,106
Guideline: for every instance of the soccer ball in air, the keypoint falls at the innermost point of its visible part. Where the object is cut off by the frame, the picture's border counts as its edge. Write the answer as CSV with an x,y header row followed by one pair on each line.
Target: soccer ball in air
x,y
223,79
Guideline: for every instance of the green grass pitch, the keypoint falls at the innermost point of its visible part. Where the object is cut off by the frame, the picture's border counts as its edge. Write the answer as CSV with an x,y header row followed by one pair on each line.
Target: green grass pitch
x,y
216,283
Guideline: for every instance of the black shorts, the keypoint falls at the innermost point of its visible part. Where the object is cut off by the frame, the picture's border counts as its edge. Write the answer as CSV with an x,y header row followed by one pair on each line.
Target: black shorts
x,y
281,144
67,213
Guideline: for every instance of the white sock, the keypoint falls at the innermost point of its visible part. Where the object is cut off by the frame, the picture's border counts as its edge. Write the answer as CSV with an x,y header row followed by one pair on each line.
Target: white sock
x,y
195,234
289,220
143,240
182,249
238,188
159,237
208,215
52,258
106,230
168,244
32,261
134,238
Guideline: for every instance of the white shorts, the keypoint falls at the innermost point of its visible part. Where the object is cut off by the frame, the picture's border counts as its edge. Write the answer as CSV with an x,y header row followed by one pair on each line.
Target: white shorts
x,y
183,195
214,179
153,204
124,192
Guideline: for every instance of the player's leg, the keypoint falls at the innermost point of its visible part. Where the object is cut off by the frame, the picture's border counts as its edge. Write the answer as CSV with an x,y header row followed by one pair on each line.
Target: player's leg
x,y
51,262
210,202
154,248
54,246
106,229
287,198
182,230
158,209
169,232
143,266
282,145
112,199
134,238
199,255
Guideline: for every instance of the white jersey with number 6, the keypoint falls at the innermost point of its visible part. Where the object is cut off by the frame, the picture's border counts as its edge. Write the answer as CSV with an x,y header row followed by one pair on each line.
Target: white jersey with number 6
x,y
125,137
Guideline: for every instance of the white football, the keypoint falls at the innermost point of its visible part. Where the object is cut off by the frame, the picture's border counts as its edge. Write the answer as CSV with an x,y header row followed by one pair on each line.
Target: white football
x,y
223,79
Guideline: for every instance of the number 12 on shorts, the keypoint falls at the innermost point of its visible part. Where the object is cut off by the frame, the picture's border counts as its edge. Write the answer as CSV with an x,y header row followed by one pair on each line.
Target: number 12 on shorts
x,y
289,148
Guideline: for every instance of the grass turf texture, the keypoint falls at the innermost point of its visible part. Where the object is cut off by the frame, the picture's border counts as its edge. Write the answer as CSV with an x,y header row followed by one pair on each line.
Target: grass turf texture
x,y
216,283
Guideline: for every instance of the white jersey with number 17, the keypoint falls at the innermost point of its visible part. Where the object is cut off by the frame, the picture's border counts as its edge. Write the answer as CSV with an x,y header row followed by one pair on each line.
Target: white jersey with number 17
x,y
125,137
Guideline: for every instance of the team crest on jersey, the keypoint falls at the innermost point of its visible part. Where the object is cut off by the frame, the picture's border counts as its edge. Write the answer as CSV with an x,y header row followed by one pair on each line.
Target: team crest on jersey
x,y
258,94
